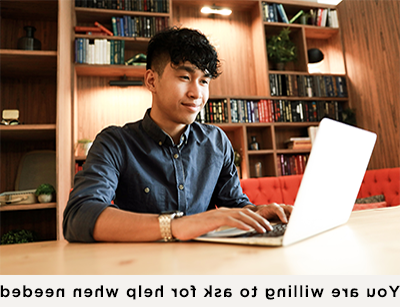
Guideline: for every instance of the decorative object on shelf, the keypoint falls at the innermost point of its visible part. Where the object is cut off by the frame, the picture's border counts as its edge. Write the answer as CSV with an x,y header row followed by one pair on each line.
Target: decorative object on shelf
x,y
125,82
281,49
258,169
138,59
10,117
45,193
83,147
315,55
28,42
237,161
25,197
315,59
18,236
254,145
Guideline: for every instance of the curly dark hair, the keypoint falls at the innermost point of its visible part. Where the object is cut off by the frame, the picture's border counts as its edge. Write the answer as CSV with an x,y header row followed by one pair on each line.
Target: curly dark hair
x,y
179,45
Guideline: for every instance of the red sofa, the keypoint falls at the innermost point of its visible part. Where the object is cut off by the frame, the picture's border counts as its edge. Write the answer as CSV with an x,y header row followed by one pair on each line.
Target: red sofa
x,y
284,189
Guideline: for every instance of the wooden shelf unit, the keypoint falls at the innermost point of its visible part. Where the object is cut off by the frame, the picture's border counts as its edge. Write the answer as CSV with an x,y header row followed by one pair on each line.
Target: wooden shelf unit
x,y
30,83
28,132
241,43
28,207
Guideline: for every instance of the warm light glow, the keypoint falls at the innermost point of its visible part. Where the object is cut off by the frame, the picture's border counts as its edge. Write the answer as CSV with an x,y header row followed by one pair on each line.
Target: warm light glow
x,y
216,10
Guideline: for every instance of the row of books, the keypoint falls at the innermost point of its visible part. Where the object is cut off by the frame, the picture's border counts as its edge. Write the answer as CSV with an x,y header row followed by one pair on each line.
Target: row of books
x,y
215,111
138,26
275,12
128,26
99,51
157,6
291,164
267,110
307,85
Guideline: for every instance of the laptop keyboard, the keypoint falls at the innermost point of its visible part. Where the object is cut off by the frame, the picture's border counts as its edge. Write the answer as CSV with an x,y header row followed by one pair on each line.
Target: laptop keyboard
x,y
279,230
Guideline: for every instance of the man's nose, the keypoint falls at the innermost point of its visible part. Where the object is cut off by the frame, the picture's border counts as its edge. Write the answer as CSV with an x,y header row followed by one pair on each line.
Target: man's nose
x,y
195,91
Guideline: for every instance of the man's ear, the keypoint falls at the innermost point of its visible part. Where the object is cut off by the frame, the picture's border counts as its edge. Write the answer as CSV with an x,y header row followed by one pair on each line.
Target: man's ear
x,y
150,78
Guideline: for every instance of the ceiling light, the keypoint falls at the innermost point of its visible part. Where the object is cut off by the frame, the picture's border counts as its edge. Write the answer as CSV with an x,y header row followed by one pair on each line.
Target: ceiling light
x,y
216,10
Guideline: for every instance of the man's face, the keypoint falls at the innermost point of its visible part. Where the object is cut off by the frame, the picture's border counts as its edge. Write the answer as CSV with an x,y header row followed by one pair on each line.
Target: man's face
x,y
180,93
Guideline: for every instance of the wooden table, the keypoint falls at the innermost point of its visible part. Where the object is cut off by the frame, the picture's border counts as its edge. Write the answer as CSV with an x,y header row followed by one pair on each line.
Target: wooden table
x,y
368,244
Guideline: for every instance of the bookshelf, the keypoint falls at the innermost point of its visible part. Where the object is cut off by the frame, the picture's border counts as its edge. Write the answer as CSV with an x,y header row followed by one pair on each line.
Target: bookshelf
x,y
240,40
29,84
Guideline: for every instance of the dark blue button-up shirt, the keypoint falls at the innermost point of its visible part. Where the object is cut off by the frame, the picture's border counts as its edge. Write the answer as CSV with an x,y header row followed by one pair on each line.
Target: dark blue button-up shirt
x,y
142,170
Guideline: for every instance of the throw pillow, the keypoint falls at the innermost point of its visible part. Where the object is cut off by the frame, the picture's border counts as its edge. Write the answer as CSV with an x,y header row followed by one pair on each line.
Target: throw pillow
x,y
371,199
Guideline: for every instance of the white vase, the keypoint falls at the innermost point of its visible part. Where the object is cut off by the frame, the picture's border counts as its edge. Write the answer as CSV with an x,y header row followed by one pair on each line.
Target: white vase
x,y
44,198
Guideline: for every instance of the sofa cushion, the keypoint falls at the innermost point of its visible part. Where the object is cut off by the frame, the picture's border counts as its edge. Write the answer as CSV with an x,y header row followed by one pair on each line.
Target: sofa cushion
x,y
290,186
263,190
382,181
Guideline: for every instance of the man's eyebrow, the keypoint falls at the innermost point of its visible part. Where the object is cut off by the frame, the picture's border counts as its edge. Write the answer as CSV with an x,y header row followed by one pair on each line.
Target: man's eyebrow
x,y
192,69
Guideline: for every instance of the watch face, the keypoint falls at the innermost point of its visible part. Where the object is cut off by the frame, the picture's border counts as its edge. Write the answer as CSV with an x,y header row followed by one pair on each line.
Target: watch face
x,y
174,213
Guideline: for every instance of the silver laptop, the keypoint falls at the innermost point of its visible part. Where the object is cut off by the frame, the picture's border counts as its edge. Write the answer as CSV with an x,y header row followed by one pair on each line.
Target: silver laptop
x,y
328,190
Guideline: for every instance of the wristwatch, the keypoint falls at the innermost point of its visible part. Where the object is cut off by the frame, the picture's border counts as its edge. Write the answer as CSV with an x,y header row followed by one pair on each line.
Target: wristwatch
x,y
165,219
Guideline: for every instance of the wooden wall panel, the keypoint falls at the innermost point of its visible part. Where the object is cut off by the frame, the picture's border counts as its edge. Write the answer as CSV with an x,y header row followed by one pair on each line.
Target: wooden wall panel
x,y
12,30
100,105
233,38
371,32
35,98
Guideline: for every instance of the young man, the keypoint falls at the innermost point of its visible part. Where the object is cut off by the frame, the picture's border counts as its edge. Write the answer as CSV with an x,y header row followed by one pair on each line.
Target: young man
x,y
166,165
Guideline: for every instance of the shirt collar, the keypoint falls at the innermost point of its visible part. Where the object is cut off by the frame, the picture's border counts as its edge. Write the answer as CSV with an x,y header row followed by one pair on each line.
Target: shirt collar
x,y
158,135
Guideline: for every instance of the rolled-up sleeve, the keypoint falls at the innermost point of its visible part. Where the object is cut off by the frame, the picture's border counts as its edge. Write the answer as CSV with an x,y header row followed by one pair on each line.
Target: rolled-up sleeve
x,y
94,187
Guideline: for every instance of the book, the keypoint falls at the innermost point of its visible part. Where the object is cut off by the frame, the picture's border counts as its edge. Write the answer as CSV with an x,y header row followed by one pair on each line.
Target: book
x,y
104,29
298,143
114,26
282,13
87,29
312,133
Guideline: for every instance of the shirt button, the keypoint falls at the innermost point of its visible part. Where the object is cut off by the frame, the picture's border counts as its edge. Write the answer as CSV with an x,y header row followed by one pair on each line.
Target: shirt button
x,y
146,190
176,156
181,187
160,143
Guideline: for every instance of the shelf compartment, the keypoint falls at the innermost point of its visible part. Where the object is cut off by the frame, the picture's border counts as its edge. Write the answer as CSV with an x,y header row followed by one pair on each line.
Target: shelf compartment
x,y
15,63
28,132
263,136
296,36
267,165
110,70
28,206
283,133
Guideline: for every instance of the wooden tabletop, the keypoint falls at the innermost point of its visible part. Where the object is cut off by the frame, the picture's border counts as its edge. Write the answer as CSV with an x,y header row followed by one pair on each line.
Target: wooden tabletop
x,y
368,244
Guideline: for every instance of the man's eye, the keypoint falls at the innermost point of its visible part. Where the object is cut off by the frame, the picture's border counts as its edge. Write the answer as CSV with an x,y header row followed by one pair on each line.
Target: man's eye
x,y
185,77
205,82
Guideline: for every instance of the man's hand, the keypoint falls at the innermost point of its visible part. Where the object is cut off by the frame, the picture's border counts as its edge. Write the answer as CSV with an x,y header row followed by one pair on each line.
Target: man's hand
x,y
274,211
190,227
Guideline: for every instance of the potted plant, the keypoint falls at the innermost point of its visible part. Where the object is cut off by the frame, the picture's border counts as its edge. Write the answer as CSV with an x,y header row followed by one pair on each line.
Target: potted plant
x,y
45,192
281,49
18,236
